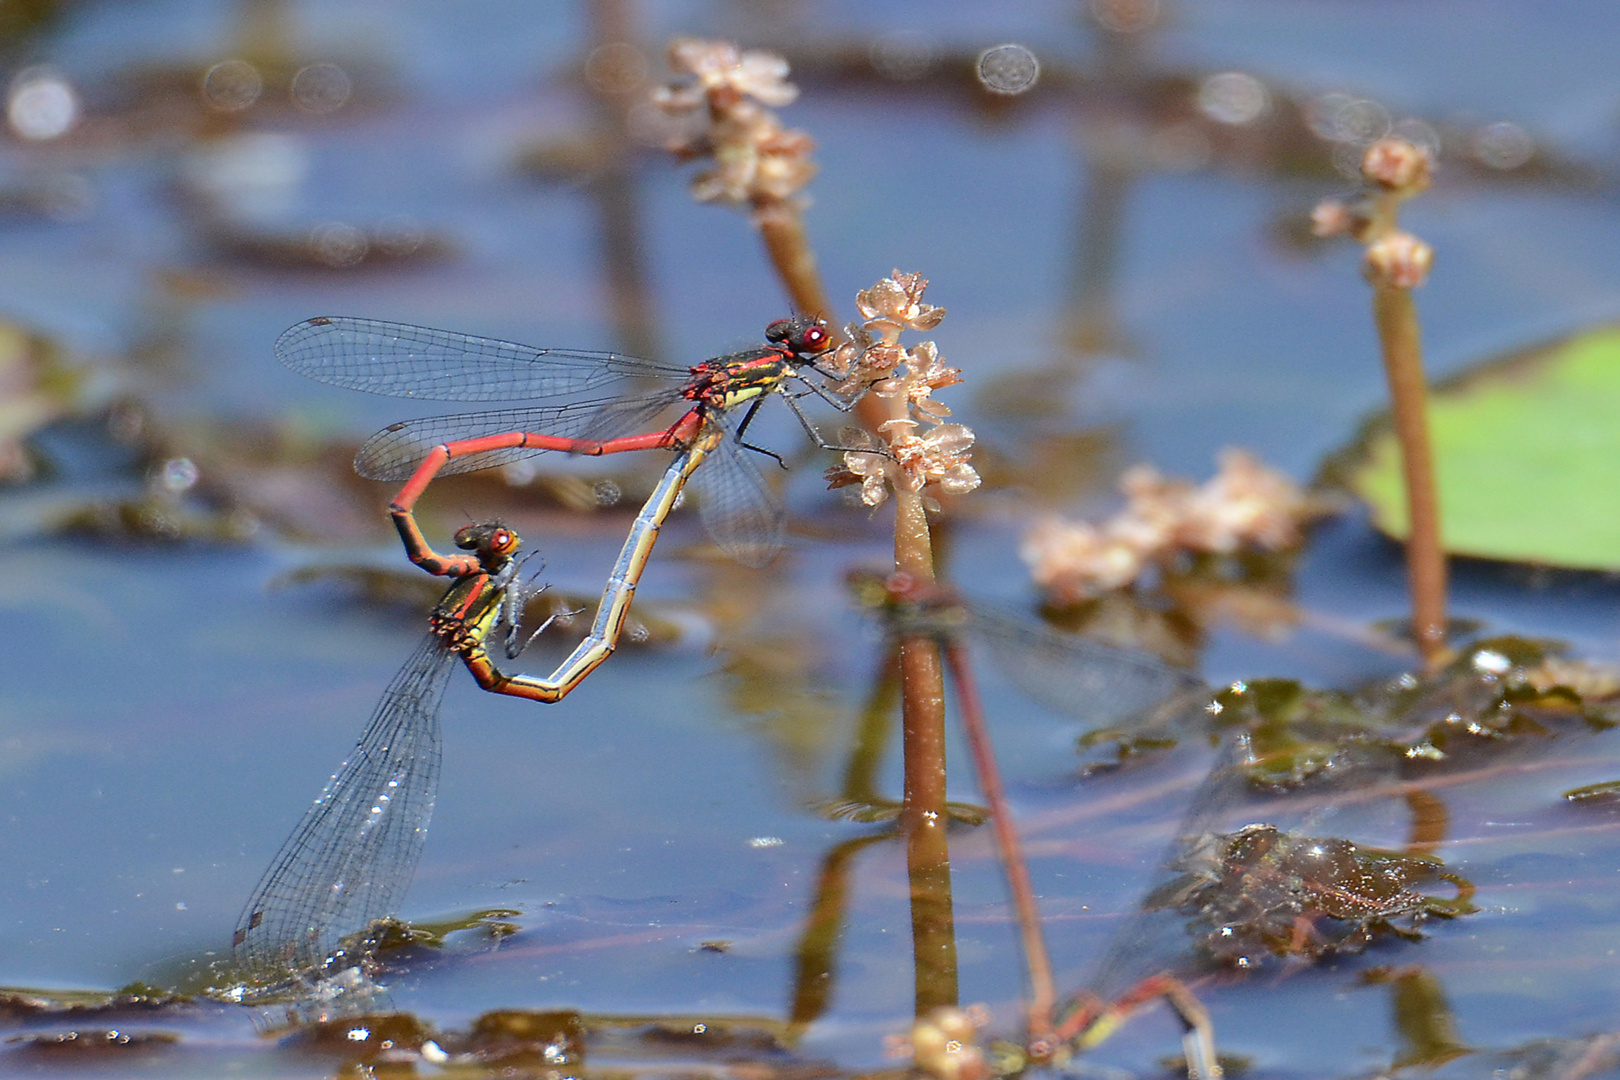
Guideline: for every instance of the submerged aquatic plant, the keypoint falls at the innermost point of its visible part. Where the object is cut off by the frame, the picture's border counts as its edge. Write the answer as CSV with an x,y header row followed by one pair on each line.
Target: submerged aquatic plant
x,y
1262,892
1495,693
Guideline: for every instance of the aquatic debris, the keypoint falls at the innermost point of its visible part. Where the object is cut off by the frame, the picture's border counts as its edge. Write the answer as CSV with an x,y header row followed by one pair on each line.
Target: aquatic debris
x,y
1245,506
98,1041
1261,892
1496,692
512,1039
388,1039
1603,793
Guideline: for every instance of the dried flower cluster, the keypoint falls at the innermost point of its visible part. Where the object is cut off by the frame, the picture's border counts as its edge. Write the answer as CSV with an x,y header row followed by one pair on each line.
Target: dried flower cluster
x,y
1245,505
1397,165
1397,169
945,1044
923,452
757,161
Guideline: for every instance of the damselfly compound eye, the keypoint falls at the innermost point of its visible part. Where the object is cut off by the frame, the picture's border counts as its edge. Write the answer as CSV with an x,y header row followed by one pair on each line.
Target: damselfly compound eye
x,y
467,537
814,338
779,330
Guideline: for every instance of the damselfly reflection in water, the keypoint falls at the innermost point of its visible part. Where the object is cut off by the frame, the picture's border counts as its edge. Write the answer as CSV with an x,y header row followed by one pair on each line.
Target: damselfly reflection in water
x,y
593,403
350,860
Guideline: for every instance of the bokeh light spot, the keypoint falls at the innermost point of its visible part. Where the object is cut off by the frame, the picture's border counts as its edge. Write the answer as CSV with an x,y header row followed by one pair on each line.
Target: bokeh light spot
x,y
1503,145
232,85
904,55
41,105
1008,69
339,244
616,69
321,88
1233,97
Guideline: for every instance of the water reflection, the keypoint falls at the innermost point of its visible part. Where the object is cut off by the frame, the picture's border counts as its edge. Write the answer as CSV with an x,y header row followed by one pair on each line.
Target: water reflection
x,y
209,479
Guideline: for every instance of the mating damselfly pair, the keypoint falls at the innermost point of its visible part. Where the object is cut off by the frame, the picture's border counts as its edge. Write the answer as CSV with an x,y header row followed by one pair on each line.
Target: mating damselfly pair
x,y
351,858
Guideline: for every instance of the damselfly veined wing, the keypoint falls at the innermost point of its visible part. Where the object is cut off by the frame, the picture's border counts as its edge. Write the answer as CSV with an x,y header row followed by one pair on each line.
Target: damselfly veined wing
x,y
350,860
587,403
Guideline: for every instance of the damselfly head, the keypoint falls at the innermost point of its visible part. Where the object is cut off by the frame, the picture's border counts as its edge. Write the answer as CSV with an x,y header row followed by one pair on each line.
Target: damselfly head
x,y
801,334
490,539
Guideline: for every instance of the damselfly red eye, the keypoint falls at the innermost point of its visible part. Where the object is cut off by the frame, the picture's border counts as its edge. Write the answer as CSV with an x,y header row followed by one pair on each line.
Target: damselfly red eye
x,y
814,338
779,330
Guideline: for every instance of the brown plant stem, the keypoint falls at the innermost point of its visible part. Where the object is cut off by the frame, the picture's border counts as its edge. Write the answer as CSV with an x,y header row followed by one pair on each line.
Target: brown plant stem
x,y
781,224
611,22
922,675
1399,336
923,819
924,816
1043,991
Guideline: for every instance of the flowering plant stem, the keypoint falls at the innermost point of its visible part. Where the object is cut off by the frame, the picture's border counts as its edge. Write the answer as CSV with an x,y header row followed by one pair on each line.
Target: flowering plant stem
x,y
782,226
1399,336
924,816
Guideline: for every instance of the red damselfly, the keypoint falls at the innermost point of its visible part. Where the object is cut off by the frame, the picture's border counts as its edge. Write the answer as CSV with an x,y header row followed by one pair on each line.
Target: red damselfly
x,y
590,403
349,861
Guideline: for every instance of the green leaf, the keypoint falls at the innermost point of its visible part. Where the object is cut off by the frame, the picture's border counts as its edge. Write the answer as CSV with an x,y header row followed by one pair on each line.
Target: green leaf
x,y
1527,450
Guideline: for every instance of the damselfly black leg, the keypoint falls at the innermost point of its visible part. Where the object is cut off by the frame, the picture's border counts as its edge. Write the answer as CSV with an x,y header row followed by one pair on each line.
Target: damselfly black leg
x,y
815,436
842,404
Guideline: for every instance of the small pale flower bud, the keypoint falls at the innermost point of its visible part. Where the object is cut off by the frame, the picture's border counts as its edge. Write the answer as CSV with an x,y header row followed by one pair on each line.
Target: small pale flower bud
x,y
1397,165
1330,217
1398,259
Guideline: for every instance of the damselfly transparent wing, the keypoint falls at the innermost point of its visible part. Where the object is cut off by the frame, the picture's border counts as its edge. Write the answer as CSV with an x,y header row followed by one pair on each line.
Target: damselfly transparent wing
x,y
1100,683
743,515
400,360
395,452
350,860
